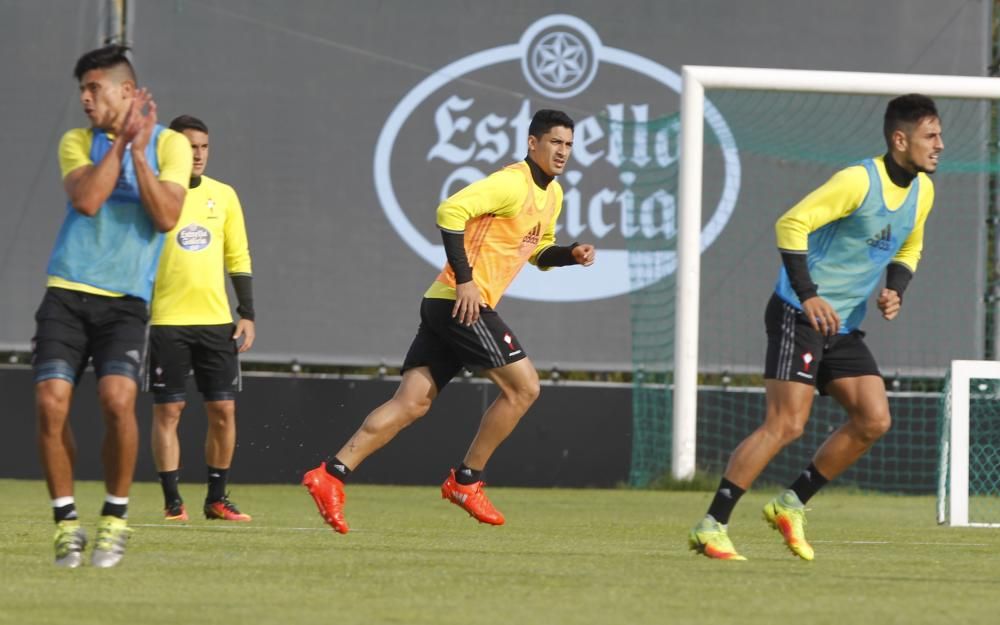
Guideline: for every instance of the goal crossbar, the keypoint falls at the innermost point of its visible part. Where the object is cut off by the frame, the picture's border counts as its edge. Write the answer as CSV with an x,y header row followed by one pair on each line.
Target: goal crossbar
x,y
695,79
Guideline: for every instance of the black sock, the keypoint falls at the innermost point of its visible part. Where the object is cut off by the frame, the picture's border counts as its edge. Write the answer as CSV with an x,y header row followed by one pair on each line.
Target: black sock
x,y
169,483
338,469
216,484
725,500
119,510
808,483
465,475
65,513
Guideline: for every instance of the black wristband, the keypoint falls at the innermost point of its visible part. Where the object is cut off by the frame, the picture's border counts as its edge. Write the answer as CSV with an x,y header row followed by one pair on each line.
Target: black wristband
x,y
243,286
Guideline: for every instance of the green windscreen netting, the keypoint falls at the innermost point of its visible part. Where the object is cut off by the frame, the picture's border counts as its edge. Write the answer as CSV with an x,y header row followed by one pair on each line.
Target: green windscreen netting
x,y
652,327
764,151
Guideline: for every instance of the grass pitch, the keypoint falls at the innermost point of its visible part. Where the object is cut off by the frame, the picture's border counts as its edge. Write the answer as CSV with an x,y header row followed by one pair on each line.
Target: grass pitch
x,y
564,557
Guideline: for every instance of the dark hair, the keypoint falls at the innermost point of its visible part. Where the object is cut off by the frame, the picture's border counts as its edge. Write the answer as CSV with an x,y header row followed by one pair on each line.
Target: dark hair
x,y
545,119
188,122
906,110
104,58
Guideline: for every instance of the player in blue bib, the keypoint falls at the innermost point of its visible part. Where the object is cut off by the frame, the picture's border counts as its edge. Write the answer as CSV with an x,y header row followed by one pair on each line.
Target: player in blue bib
x,y
125,178
835,245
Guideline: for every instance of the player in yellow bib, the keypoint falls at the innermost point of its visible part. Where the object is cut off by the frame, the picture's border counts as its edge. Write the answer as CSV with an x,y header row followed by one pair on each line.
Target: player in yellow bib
x,y
490,229
192,329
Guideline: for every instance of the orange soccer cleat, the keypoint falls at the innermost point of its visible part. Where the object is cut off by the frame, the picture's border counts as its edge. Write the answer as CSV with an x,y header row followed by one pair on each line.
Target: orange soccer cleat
x,y
328,493
224,510
786,514
175,511
472,499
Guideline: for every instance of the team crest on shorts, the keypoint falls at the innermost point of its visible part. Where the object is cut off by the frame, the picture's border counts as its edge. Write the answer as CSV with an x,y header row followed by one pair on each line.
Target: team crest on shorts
x,y
509,340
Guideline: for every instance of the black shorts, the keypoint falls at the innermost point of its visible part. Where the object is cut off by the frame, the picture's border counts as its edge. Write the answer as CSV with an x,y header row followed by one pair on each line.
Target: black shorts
x,y
797,352
73,327
445,345
210,351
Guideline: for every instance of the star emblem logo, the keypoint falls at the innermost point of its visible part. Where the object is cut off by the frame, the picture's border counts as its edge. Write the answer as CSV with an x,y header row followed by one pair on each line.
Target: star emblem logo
x,y
560,60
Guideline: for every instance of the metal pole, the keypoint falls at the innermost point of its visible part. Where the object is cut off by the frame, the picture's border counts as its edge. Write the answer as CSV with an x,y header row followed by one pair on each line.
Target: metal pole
x,y
991,294
117,17
685,418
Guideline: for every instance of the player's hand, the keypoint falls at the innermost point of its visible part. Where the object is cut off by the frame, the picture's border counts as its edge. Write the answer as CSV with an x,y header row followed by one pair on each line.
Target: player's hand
x,y
821,315
585,254
889,303
147,121
248,330
467,303
133,118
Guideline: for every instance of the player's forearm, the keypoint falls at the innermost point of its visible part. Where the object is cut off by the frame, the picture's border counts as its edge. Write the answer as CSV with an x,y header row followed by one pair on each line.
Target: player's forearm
x,y
243,287
454,250
89,190
557,256
162,200
897,277
797,267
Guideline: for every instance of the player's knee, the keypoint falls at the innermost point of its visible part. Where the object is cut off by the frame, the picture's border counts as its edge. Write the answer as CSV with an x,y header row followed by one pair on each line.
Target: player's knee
x,y
531,391
524,393
52,405
118,406
793,432
169,415
790,430
222,421
875,426
414,408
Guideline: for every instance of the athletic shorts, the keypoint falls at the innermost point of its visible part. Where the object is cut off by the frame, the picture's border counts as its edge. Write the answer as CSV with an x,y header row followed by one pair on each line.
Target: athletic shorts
x,y
445,345
209,351
72,328
797,352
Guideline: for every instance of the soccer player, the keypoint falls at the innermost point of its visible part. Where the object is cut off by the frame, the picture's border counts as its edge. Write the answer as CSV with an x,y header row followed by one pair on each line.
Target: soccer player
x,y
125,178
192,327
834,246
490,229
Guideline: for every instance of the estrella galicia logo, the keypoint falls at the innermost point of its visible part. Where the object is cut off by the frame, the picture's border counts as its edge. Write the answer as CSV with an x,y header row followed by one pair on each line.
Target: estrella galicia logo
x,y
194,237
470,118
881,243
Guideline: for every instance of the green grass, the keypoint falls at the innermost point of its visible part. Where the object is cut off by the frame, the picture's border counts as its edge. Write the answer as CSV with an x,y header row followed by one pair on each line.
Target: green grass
x,y
564,557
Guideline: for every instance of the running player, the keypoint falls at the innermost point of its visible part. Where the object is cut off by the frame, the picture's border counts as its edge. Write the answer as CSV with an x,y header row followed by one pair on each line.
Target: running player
x,y
490,229
835,244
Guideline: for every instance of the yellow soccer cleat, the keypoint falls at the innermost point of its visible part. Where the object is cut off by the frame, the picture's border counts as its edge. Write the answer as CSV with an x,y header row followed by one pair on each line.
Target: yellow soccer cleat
x,y
109,547
70,541
787,514
712,539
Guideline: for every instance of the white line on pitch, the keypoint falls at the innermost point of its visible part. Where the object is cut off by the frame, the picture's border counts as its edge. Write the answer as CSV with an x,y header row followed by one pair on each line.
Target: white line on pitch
x,y
236,528
890,542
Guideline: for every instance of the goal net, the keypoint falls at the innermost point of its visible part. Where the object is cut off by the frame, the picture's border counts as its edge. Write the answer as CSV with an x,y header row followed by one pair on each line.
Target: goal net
x,y
765,139
969,473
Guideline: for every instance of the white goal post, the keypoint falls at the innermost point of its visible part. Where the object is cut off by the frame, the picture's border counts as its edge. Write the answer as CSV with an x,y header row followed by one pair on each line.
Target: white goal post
x,y
953,473
695,79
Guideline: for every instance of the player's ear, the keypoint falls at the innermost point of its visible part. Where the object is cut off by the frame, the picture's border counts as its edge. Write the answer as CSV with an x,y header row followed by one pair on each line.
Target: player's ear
x,y
532,143
128,88
900,140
